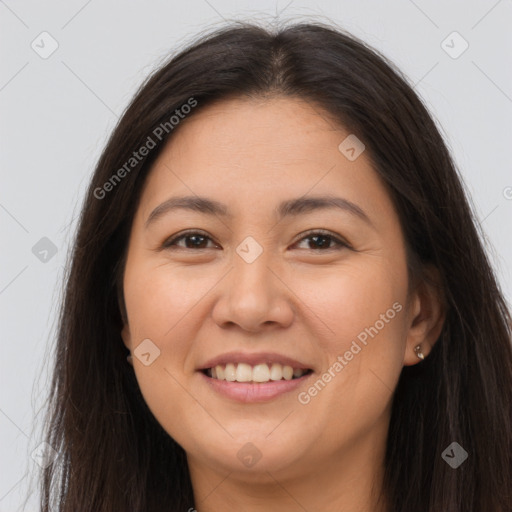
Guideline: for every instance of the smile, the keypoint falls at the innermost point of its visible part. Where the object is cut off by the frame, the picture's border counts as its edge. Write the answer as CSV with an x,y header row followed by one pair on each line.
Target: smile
x,y
259,373
259,383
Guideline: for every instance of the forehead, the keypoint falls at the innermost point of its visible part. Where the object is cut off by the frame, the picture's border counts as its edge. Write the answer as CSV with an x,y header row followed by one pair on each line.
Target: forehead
x,y
250,153
276,130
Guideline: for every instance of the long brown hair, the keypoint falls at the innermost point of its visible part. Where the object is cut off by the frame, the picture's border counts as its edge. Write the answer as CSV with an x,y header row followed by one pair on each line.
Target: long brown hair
x,y
113,454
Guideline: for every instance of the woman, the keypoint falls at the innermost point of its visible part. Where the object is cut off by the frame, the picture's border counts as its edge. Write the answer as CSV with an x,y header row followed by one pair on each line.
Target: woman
x,y
278,298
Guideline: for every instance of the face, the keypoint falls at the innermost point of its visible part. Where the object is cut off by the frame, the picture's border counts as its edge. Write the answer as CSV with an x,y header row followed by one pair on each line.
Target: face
x,y
269,275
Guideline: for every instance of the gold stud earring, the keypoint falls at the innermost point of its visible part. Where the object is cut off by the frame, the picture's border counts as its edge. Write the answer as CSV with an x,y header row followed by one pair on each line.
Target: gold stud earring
x,y
418,351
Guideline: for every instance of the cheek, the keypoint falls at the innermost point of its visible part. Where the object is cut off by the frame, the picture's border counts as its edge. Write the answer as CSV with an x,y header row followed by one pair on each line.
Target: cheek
x,y
160,305
360,308
166,303
159,297
361,311
351,300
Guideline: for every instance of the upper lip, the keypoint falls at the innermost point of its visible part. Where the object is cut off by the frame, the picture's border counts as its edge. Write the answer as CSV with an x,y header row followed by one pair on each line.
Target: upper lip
x,y
253,359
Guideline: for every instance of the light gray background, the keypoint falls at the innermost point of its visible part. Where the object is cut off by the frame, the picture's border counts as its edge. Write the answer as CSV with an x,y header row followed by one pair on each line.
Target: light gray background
x,y
57,113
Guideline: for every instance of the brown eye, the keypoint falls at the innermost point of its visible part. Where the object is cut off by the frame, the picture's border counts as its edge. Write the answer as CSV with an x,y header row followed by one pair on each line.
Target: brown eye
x,y
324,241
193,240
318,241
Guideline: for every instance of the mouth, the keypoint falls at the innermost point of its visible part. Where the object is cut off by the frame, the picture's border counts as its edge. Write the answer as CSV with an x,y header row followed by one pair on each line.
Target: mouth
x,y
246,377
255,374
248,384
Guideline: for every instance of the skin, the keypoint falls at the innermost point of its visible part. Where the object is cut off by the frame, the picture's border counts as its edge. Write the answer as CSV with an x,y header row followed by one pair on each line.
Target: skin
x,y
296,298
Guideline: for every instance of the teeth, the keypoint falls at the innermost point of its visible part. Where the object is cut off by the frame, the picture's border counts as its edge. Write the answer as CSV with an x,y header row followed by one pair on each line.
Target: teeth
x,y
219,370
243,372
276,372
287,372
260,373
229,372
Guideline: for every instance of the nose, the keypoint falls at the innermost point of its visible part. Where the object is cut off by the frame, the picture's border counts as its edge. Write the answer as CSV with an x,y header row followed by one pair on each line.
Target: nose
x,y
254,297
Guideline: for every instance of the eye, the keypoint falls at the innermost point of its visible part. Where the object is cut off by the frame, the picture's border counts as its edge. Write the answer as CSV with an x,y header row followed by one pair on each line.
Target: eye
x,y
324,240
197,239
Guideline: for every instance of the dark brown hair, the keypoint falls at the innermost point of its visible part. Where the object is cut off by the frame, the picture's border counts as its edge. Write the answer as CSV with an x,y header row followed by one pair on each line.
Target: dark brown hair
x,y
113,454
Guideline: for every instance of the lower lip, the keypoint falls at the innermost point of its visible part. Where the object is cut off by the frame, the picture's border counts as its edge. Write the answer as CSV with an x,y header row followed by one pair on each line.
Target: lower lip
x,y
251,393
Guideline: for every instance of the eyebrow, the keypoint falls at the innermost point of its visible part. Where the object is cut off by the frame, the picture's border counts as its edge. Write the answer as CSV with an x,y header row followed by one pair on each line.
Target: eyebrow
x,y
288,208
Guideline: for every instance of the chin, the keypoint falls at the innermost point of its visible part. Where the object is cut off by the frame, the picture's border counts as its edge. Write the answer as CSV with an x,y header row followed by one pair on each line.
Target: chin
x,y
251,457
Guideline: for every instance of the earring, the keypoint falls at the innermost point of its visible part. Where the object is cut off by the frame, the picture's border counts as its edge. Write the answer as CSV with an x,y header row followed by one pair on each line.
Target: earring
x,y
418,351
130,359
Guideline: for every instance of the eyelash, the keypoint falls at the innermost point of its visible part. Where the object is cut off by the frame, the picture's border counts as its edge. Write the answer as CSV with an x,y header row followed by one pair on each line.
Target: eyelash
x,y
340,243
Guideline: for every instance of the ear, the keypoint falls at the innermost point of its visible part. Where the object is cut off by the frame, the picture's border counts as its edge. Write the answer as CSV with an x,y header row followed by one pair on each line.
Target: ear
x,y
125,334
427,314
